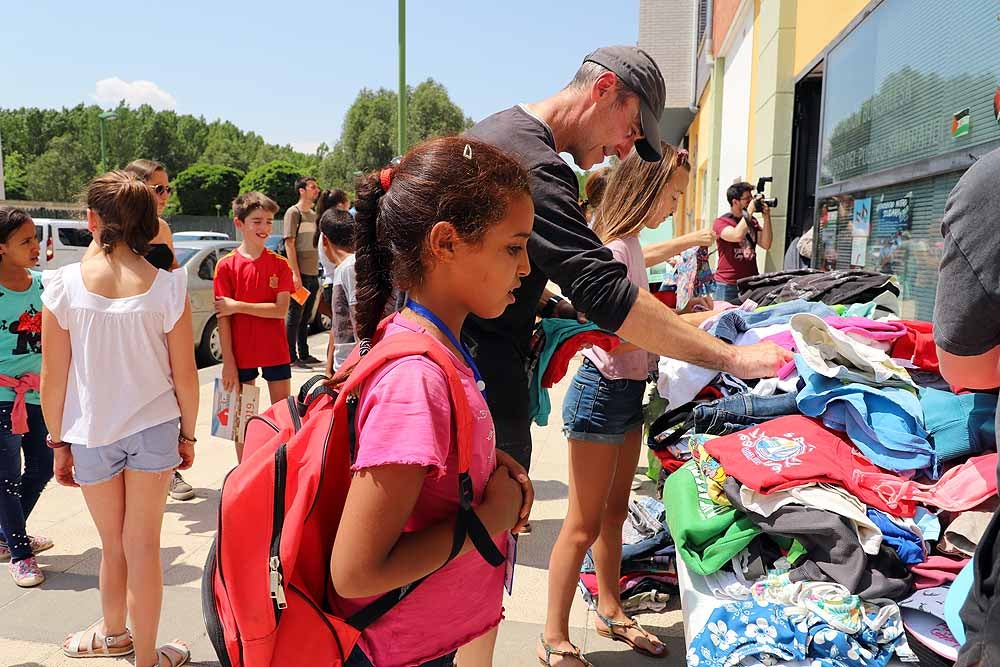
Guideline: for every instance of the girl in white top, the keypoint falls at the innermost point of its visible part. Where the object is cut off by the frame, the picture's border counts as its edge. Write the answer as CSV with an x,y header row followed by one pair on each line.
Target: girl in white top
x,y
119,382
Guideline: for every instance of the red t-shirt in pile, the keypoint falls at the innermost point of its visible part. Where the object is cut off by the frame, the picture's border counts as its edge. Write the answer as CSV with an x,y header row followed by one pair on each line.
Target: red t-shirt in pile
x,y
736,260
791,451
258,342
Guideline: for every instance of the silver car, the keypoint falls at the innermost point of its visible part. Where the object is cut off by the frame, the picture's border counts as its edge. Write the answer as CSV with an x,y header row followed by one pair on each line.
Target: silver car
x,y
198,259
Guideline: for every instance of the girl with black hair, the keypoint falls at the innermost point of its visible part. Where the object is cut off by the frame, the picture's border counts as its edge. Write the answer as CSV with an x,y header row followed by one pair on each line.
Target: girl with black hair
x,y
22,428
449,224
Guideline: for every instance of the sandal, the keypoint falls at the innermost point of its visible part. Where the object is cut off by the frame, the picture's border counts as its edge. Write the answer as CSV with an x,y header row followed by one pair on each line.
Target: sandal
x,y
551,651
631,624
177,647
81,644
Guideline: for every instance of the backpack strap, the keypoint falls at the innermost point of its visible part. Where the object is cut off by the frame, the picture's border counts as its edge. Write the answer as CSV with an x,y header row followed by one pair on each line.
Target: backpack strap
x,y
467,523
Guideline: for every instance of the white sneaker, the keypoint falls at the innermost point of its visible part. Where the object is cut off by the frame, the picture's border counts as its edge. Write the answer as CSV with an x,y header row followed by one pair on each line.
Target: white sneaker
x,y
179,489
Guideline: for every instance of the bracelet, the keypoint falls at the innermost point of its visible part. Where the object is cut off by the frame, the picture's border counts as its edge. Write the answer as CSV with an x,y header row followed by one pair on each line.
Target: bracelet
x,y
54,444
183,438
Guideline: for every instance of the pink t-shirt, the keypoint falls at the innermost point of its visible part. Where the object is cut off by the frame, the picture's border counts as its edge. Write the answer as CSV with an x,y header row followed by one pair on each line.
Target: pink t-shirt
x,y
634,365
405,417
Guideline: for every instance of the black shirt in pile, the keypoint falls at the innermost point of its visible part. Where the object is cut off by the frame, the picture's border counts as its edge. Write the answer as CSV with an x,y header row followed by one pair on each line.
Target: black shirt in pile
x,y
562,249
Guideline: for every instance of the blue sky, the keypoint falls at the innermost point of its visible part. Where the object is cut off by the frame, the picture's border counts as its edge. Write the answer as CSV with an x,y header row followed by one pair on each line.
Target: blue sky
x,y
289,71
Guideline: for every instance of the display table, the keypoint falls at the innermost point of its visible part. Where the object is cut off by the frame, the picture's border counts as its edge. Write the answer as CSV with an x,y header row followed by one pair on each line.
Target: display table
x,y
698,603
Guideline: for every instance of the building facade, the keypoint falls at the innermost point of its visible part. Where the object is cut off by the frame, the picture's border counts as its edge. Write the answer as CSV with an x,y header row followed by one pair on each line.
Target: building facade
x,y
864,112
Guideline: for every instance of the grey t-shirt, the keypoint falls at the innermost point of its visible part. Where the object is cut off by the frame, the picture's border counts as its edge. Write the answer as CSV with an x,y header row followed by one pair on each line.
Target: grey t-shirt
x,y
343,298
304,233
967,324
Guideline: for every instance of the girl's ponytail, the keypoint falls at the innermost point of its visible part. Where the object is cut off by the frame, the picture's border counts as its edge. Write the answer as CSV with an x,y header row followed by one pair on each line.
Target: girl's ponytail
x,y
373,263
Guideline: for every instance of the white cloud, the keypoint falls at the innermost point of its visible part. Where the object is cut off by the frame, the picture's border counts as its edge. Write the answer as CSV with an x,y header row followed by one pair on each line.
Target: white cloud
x,y
307,147
135,93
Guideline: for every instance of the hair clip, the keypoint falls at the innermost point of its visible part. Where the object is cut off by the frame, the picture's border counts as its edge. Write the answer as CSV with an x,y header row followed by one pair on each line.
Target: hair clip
x,y
385,178
467,153
682,156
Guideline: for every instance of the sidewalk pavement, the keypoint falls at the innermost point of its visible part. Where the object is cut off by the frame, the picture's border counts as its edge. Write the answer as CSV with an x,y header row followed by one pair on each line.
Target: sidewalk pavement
x,y
35,621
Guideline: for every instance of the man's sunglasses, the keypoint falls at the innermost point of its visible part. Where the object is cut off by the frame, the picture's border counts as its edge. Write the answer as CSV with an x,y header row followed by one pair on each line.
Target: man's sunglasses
x,y
162,189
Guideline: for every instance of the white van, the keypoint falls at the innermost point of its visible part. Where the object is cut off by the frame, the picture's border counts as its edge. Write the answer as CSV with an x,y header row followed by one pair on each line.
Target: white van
x,y
61,242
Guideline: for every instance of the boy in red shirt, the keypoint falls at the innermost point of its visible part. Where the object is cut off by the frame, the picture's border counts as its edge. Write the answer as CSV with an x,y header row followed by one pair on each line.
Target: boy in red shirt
x,y
252,289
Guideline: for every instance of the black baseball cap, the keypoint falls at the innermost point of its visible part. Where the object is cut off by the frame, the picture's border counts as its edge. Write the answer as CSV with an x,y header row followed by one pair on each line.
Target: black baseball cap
x,y
637,70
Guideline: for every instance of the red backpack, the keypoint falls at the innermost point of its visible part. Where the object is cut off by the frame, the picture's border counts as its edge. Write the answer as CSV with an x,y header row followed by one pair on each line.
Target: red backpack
x,y
266,588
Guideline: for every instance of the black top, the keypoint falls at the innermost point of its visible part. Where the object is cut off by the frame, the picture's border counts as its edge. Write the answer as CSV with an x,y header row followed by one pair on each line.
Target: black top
x,y
160,256
561,248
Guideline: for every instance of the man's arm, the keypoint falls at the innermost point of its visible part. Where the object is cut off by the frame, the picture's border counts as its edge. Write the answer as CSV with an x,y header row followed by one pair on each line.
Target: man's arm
x,y
766,233
572,255
291,227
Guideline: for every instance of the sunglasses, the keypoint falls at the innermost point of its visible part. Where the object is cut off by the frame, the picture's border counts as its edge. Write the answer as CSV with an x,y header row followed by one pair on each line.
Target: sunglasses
x,y
162,189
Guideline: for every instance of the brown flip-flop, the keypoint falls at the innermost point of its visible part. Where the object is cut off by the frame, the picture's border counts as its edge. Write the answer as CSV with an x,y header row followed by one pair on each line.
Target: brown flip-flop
x,y
630,624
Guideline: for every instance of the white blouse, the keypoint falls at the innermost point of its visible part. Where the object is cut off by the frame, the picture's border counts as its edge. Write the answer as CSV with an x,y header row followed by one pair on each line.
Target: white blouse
x,y
119,378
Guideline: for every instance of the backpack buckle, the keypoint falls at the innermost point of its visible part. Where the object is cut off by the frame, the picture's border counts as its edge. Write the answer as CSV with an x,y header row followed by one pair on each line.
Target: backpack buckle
x,y
465,490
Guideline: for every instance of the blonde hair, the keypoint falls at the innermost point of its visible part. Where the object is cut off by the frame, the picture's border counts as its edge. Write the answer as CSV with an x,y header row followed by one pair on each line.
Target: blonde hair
x,y
634,193
127,209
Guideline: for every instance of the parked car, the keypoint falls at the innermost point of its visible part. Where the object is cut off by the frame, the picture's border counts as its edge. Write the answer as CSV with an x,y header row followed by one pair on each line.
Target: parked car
x,y
201,236
198,259
62,241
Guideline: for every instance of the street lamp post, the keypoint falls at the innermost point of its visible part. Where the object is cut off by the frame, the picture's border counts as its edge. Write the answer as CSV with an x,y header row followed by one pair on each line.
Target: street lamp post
x,y
3,190
401,122
105,116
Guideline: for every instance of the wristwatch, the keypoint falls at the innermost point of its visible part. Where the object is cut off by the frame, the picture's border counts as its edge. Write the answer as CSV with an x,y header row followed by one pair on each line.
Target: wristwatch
x,y
549,309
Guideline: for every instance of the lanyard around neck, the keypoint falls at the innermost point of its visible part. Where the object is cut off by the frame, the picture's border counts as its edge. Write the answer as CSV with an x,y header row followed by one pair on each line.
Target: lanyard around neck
x,y
429,315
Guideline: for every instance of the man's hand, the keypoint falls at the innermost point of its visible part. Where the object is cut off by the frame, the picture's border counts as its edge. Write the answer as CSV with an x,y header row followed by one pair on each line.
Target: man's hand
x,y
762,360
224,306
518,472
296,281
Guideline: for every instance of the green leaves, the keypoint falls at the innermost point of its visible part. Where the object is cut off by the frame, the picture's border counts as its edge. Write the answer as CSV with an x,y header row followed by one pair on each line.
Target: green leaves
x,y
275,179
200,187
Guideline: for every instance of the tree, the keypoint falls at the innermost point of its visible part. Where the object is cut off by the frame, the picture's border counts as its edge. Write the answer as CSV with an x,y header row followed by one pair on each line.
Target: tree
x,y
368,138
276,180
201,187
15,172
60,173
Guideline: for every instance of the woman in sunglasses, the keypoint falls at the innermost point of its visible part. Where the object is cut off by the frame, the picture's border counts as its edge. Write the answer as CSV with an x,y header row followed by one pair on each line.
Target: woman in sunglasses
x,y
161,249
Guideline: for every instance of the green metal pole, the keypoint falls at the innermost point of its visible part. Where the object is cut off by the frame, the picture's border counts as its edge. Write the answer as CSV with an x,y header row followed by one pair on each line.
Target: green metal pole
x,y
401,123
104,158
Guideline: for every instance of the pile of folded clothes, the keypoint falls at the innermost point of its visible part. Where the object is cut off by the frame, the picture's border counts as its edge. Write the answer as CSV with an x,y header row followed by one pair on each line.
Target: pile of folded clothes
x,y
830,509
648,569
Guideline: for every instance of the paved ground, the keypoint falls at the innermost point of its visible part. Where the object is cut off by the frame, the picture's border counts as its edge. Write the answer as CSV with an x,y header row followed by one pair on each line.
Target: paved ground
x,y
33,622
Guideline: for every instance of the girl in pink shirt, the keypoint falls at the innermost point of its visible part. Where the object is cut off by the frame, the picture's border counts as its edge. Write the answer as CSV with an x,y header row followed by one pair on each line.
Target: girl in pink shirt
x,y
602,413
450,224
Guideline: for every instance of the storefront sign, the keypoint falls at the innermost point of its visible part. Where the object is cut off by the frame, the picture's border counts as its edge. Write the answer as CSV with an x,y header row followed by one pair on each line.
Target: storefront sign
x,y
961,124
893,215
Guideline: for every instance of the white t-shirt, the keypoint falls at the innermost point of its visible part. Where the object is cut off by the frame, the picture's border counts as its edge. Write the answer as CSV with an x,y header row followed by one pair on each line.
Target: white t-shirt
x,y
344,298
119,381
329,268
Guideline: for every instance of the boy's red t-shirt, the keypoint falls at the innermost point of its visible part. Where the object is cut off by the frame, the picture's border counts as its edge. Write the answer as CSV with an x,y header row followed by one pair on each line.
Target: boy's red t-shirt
x,y
258,342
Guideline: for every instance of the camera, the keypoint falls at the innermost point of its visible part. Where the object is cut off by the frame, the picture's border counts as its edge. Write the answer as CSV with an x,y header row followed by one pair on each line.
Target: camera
x,y
760,198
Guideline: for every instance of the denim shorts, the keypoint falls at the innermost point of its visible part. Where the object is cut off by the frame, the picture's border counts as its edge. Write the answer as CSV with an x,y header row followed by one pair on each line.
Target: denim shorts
x,y
151,450
597,409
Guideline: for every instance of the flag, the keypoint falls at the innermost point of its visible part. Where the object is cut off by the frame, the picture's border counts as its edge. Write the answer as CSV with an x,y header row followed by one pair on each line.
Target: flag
x,y
961,124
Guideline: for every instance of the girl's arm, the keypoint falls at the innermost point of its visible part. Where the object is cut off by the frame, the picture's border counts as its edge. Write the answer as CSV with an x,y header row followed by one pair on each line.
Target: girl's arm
x,y
180,347
55,372
367,561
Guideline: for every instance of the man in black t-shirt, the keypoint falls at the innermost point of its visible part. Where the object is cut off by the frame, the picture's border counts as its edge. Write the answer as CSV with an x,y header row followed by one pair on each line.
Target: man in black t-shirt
x,y
967,334
613,103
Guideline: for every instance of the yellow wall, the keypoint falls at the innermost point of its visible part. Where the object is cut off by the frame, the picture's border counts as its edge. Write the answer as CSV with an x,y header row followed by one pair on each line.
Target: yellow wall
x,y
817,22
701,140
754,77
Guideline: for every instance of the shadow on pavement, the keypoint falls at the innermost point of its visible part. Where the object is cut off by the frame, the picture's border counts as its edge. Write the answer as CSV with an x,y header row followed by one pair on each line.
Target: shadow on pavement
x,y
549,489
200,514
534,550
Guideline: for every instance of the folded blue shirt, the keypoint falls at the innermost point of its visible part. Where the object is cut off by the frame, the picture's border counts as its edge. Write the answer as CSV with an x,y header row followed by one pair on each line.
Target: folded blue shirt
x,y
885,423
909,546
